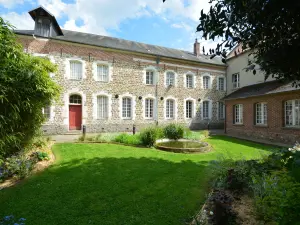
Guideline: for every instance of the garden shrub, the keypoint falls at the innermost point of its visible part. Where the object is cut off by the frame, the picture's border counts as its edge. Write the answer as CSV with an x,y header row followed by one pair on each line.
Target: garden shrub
x,y
128,139
149,135
18,166
174,131
277,197
40,156
25,88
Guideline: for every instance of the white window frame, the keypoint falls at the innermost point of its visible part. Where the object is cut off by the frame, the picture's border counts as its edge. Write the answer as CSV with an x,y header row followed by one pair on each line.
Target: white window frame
x,y
193,108
209,81
219,110
238,114
95,70
68,68
104,108
95,104
133,105
261,113
294,120
193,80
218,83
175,110
166,76
236,84
155,75
149,110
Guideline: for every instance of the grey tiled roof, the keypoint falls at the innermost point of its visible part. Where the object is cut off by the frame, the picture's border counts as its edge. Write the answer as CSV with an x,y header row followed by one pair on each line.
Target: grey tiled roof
x,y
121,44
266,88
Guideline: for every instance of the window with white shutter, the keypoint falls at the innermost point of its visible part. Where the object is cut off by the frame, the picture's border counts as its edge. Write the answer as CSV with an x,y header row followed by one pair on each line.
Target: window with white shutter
x,y
149,106
170,79
102,73
102,107
127,108
205,110
170,104
75,70
206,82
292,113
189,81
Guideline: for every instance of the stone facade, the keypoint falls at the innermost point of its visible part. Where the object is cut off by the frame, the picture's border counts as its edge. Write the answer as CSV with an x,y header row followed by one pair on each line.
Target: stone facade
x,y
275,129
127,78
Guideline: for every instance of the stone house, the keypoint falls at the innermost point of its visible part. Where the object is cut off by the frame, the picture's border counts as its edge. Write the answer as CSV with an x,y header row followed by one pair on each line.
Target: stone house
x,y
257,108
110,84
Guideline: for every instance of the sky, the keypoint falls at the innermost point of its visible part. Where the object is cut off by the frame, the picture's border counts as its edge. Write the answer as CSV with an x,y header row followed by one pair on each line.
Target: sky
x,y
170,24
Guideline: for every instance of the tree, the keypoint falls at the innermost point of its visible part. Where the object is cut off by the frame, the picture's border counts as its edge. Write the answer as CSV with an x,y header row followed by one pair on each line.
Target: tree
x,y
271,28
25,88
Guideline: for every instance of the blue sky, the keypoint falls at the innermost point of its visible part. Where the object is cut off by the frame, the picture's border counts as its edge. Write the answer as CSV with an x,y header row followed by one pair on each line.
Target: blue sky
x,y
170,24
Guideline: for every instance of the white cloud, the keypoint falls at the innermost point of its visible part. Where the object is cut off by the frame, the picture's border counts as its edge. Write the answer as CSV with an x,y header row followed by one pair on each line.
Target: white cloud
x,y
10,3
182,25
20,21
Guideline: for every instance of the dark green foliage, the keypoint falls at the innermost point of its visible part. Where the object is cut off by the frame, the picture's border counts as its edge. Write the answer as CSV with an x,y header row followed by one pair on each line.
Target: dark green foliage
x,y
25,88
150,135
40,156
174,131
277,197
128,139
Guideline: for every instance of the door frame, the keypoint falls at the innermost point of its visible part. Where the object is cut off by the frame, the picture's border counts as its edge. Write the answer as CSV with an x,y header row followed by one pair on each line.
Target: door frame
x,y
80,118
68,106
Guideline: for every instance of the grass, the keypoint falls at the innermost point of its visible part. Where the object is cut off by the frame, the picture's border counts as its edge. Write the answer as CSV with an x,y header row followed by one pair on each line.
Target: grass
x,y
113,184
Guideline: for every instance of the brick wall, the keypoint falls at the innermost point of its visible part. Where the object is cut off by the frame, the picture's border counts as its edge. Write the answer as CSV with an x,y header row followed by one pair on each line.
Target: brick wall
x,y
127,77
275,129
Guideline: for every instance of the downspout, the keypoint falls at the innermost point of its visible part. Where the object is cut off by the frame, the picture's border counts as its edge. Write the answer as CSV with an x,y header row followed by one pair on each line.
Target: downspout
x,y
225,120
156,89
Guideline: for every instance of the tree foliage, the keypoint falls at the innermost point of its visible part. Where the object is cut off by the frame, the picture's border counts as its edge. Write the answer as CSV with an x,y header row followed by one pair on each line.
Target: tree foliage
x,y
25,88
271,28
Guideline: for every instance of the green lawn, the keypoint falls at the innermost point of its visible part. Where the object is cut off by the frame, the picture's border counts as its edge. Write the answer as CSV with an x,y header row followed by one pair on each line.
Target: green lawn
x,y
113,184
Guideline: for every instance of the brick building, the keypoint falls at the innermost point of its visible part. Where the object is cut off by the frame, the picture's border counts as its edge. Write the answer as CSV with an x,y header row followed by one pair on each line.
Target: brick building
x,y
257,108
110,84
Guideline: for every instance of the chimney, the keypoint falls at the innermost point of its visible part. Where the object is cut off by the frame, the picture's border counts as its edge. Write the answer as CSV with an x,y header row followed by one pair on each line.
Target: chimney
x,y
196,48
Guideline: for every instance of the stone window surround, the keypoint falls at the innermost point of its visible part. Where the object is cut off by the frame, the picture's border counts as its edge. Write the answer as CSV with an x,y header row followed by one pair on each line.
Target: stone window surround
x,y
209,83
66,105
221,76
210,104
155,74
165,78
149,96
133,98
193,109
52,114
105,63
94,101
67,68
194,79
175,108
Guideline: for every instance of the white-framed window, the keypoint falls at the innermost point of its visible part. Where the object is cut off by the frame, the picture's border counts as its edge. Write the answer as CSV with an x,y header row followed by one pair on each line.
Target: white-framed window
x,y
170,108
76,70
102,73
102,107
150,77
221,110
236,80
170,78
75,99
261,113
149,108
189,81
206,82
189,109
221,83
205,109
47,112
238,114
127,108
292,113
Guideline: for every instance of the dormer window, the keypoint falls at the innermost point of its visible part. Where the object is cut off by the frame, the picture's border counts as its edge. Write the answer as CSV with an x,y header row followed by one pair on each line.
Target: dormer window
x,y
43,27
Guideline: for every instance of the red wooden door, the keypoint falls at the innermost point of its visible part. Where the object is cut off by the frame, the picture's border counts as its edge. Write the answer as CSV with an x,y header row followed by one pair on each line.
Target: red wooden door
x,y
75,117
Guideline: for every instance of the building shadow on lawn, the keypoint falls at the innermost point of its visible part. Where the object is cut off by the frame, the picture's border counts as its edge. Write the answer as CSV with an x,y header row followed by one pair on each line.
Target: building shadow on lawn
x,y
260,146
110,191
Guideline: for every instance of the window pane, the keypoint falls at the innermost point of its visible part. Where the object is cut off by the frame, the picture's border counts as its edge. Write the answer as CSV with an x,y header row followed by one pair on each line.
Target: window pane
x,y
102,107
206,81
236,80
149,77
189,109
75,99
238,114
297,112
149,108
170,109
126,108
170,78
221,110
102,73
221,83
47,112
289,113
75,70
189,81
205,110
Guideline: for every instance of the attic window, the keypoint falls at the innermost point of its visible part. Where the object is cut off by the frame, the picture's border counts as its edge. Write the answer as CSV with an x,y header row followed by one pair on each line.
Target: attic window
x,y
43,27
